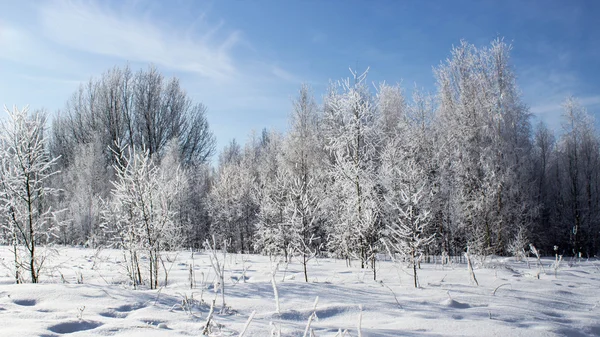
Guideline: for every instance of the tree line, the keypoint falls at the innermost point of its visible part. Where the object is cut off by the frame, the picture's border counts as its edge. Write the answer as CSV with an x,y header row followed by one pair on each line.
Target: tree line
x,y
366,172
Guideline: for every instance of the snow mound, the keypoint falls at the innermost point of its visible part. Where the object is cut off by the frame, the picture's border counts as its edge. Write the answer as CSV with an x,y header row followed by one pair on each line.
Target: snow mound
x,y
450,303
322,313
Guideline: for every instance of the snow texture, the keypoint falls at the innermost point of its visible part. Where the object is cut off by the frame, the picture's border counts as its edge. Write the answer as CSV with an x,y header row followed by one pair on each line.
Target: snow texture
x,y
87,293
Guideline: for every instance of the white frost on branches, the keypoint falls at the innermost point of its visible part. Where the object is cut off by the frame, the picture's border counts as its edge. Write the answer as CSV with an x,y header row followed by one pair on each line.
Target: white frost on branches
x,y
141,213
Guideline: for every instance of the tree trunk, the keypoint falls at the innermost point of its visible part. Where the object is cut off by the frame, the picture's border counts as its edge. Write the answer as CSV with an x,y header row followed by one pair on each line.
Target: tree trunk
x,y
31,248
414,268
17,276
304,265
373,265
151,272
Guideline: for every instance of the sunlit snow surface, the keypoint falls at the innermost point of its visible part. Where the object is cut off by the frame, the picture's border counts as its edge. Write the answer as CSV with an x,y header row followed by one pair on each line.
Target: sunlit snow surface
x,y
447,304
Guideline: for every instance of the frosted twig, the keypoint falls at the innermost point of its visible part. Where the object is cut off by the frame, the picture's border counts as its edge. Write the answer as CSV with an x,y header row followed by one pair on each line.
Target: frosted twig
x,y
498,287
247,323
311,317
359,321
208,319
275,292
393,293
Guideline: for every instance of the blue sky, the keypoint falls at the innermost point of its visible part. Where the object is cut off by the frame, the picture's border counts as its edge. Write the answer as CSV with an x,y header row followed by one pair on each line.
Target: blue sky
x,y
245,59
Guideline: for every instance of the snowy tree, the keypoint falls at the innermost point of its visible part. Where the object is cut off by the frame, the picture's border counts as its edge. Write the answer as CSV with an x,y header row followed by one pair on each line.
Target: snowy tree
x,y
84,185
519,244
590,160
408,193
142,213
273,232
232,206
304,212
486,129
141,110
194,205
409,235
546,230
270,191
304,167
25,170
392,111
177,177
351,135
579,159
286,187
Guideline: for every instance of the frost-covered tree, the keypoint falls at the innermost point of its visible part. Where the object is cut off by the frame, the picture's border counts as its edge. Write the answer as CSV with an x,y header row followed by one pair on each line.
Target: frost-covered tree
x,y
287,187
142,212
590,160
351,139
517,247
25,170
579,163
270,192
545,233
141,110
194,205
409,235
190,200
392,112
486,129
304,166
83,187
408,187
232,206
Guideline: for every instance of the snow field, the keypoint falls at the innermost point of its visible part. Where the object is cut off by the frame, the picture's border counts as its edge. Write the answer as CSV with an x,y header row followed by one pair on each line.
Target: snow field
x,y
85,292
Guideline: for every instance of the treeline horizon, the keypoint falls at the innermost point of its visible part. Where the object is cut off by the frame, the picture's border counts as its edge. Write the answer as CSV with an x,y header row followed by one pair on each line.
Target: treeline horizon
x,y
364,173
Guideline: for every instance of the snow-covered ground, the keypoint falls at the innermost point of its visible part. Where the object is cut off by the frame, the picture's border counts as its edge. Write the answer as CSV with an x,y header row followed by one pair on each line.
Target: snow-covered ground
x,y
85,293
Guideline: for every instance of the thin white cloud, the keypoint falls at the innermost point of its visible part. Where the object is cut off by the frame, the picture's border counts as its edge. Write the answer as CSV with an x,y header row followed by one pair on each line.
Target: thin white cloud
x,y
63,29
96,29
552,112
64,40
588,101
53,80
545,89
21,46
284,75
15,42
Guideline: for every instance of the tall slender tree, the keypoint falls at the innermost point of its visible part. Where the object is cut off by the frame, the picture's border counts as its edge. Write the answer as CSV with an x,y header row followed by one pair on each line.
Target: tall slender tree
x,y
142,213
25,171
304,164
351,140
486,125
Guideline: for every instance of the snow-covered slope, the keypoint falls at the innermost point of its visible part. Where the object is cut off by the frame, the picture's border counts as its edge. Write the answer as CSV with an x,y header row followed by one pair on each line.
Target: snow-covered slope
x,y
85,293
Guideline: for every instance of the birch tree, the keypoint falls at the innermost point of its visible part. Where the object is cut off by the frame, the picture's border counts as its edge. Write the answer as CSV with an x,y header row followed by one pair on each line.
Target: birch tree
x,y
578,150
270,191
351,138
25,170
142,214
84,186
547,231
305,170
486,126
409,235
407,184
232,206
